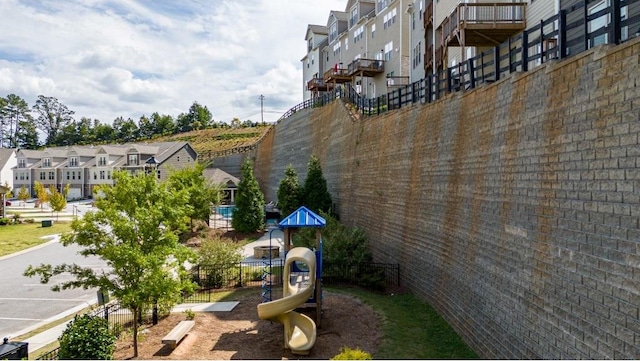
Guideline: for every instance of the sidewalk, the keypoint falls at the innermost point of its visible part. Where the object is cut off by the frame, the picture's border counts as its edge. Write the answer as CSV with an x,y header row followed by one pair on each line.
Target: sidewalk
x,y
273,237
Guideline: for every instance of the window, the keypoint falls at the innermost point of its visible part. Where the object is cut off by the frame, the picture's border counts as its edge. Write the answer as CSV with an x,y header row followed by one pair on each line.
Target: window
x,y
336,50
358,34
102,161
417,54
373,31
95,175
133,159
333,32
102,174
22,163
27,176
73,162
68,175
353,19
73,175
346,44
177,158
108,174
42,176
158,173
79,175
310,45
52,176
46,162
382,4
598,23
388,49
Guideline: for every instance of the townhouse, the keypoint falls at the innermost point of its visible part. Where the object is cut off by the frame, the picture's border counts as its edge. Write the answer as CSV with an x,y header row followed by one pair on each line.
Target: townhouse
x,y
378,45
83,167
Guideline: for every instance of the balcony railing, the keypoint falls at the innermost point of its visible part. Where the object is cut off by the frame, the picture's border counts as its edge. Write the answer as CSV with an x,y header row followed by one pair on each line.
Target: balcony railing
x,y
397,81
493,22
336,75
366,67
317,84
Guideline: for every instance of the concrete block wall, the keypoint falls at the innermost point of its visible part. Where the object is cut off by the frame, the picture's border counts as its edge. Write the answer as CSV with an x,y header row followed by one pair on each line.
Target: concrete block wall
x,y
513,209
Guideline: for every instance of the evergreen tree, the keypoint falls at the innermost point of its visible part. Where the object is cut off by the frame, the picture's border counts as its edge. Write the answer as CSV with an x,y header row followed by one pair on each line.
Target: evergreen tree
x,y
249,213
289,192
315,195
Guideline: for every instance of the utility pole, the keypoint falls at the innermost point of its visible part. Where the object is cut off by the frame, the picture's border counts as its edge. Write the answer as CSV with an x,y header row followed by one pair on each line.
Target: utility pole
x,y
261,108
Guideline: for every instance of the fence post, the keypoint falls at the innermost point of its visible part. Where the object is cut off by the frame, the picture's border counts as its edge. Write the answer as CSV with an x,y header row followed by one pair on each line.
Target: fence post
x,y
585,19
525,51
429,85
240,266
496,62
399,98
542,51
615,31
562,34
472,76
449,82
510,52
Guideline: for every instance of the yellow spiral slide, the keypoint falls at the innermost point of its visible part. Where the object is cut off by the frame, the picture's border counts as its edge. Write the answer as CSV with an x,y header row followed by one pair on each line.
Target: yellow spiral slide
x,y
299,329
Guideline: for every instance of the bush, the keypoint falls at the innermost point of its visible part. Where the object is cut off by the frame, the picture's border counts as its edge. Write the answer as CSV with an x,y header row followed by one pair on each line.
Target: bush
x,y
4,221
216,256
87,338
347,353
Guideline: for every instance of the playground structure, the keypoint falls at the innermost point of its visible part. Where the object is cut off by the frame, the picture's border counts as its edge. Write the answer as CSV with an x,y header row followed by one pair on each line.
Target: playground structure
x,y
302,285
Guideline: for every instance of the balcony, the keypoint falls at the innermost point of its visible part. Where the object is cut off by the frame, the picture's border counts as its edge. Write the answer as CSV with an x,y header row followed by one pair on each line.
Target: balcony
x,y
366,67
483,24
317,84
336,76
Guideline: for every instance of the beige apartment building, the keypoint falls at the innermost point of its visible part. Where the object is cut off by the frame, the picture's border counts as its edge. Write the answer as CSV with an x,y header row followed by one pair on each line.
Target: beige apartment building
x,y
83,167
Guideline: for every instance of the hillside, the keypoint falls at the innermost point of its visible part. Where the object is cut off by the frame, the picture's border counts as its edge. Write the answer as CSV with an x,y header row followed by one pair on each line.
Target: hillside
x,y
216,140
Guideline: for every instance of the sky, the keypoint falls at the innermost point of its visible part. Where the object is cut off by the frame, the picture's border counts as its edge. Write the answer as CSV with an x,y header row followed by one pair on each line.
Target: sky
x,y
109,58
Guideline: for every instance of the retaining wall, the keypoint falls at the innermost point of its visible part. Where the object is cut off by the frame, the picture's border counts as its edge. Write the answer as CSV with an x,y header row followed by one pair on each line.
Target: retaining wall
x,y
513,209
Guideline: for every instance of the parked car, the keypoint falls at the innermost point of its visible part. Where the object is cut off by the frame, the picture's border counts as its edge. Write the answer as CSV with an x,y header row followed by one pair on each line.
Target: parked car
x,y
7,203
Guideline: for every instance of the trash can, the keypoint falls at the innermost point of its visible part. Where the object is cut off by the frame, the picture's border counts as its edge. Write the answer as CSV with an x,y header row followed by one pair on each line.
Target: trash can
x,y
14,350
47,223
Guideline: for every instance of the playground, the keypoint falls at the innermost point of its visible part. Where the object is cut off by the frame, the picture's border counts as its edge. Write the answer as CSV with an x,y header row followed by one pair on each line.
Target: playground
x,y
240,334
316,324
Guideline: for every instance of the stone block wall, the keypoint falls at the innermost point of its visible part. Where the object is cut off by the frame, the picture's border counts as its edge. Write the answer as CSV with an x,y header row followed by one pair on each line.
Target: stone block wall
x,y
513,209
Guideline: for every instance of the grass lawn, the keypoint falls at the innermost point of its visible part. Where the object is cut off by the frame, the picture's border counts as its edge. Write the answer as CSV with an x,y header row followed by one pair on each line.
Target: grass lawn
x,y
412,329
16,237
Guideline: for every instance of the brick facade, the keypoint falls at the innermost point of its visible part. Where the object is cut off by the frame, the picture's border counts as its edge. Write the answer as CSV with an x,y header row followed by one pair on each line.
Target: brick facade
x,y
513,209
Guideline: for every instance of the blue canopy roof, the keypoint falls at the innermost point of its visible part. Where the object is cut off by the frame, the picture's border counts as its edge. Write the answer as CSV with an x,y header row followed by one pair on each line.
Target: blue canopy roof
x,y
302,217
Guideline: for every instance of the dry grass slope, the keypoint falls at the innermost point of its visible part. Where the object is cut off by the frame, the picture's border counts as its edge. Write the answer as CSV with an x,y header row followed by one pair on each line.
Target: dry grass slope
x,y
218,139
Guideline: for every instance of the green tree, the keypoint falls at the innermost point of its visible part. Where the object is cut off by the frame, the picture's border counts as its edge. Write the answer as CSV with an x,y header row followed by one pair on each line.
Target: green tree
x,y
58,200
41,193
23,194
202,195
134,228
249,213
289,192
314,192
52,117
15,114
87,337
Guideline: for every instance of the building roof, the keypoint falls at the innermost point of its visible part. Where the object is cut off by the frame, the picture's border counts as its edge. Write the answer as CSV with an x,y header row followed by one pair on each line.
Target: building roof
x,y
218,176
316,29
302,217
5,155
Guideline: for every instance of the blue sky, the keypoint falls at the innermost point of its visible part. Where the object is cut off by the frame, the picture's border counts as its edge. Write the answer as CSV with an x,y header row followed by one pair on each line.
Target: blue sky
x,y
111,58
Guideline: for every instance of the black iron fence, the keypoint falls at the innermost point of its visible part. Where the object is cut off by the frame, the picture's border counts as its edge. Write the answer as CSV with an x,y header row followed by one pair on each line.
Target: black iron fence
x,y
50,355
572,31
375,276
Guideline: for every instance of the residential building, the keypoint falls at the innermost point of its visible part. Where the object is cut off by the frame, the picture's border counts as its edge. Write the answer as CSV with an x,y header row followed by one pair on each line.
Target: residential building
x,y
7,162
367,46
313,62
228,183
84,167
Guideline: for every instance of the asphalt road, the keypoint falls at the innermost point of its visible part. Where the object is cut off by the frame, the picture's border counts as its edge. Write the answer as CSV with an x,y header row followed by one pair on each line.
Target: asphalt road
x,y
25,303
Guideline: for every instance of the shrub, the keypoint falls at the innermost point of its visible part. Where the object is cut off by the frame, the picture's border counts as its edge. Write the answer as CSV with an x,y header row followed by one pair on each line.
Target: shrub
x,y
215,257
87,338
4,221
347,353
189,314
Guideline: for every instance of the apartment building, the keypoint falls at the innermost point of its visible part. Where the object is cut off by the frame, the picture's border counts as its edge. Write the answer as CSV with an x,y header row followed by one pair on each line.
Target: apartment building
x,y
83,167
313,62
367,45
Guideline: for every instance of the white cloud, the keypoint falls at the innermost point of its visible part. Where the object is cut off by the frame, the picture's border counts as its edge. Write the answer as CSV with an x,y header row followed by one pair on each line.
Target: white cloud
x,y
109,58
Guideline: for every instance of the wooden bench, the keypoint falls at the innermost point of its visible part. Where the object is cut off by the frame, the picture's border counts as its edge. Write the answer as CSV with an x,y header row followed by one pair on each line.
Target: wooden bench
x,y
177,334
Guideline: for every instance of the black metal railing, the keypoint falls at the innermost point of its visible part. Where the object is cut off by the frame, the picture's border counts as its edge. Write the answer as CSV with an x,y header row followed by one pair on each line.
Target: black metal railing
x,y
49,355
377,276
